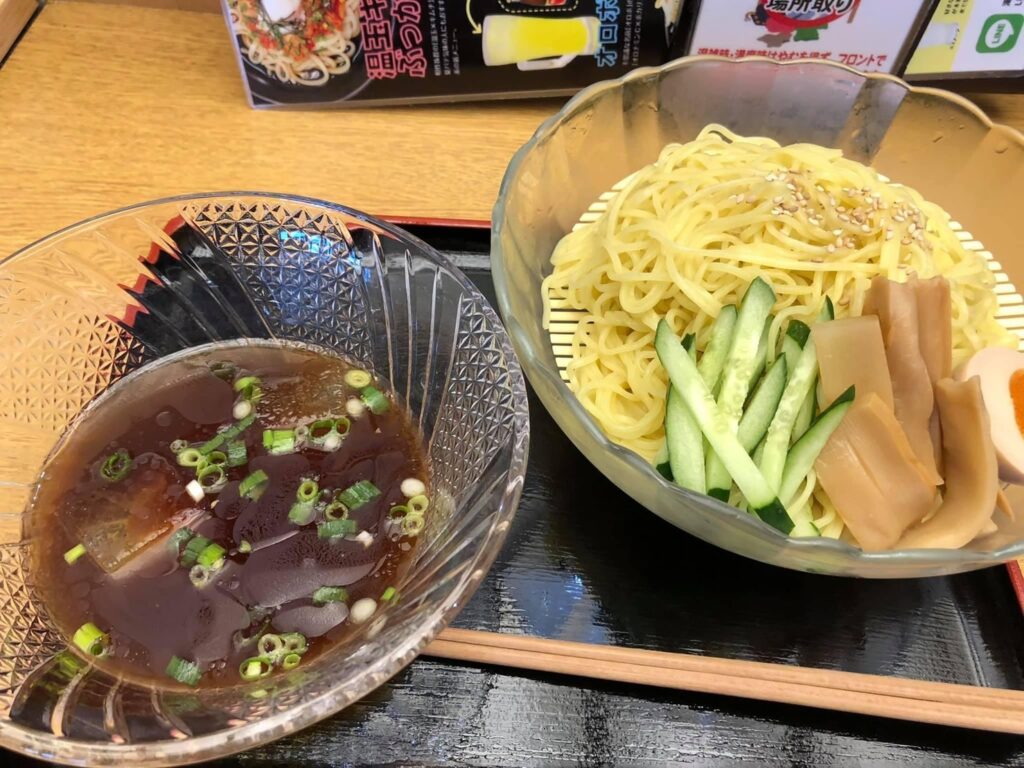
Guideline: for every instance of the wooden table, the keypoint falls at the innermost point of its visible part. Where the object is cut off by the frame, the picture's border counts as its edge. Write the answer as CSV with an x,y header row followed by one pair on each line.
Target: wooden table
x,y
105,105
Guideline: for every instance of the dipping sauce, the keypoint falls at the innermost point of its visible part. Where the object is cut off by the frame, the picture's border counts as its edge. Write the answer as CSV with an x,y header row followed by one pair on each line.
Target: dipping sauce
x,y
228,513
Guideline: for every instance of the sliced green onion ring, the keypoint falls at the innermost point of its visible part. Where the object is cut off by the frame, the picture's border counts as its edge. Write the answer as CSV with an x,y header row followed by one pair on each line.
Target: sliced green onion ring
x,y
190,457
238,454
179,539
342,425
389,593
418,504
117,466
398,511
309,489
244,547
200,576
212,554
319,429
195,546
178,446
91,639
212,477
255,668
270,646
413,524
358,378
294,642
223,370
183,671
216,458
279,441
358,494
335,511
212,444
291,661
72,555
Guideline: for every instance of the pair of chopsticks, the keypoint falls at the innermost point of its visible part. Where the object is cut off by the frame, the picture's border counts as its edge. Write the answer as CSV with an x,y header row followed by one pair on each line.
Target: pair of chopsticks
x,y
990,709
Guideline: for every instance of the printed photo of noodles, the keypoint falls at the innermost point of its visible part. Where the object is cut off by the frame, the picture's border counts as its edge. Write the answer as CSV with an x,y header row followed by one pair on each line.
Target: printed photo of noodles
x,y
300,42
687,235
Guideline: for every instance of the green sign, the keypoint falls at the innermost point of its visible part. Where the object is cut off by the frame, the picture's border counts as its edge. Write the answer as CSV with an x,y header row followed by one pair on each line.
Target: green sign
x,y
1000,33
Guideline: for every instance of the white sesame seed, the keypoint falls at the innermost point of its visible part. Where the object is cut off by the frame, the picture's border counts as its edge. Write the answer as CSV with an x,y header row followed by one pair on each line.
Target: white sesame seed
x,y
837,231
831,248
777,199
889,235
865,228
843,217
899,217
776,211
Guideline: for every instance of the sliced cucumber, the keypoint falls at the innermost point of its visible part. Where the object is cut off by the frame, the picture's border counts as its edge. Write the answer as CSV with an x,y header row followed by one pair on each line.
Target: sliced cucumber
x,y
717,349
806,413
686,379
776,442
762,406
828,311
740,367
762,355
683,436
661,464
805,450
793,342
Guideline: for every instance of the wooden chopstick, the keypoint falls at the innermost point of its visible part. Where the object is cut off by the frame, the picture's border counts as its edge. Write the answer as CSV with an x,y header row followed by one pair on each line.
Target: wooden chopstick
x,y
899,698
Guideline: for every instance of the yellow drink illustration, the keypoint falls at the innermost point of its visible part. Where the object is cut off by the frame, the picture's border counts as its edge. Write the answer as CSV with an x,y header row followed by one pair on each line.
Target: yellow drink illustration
x,y
538,43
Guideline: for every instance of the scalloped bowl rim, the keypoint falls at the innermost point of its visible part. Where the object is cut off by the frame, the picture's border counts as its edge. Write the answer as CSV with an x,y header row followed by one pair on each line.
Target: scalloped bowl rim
x,y
534,367
310,711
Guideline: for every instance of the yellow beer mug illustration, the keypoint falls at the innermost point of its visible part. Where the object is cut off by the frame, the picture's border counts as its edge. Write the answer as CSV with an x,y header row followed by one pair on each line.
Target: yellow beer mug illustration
x,y
538,43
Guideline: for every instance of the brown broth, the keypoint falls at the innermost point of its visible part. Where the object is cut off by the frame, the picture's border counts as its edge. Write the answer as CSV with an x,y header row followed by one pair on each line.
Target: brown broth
x,y
131,585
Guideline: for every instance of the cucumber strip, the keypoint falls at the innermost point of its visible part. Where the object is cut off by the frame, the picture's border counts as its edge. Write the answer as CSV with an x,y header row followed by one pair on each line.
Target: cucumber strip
x,y
762,406
682,435
793,342
661,464
776,442
697,397
717,349
828,311
806,413
799,331
762,355
805,450
740,366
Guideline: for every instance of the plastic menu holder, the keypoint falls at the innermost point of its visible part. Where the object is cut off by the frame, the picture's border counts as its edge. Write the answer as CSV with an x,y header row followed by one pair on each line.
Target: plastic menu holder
x,y
971,38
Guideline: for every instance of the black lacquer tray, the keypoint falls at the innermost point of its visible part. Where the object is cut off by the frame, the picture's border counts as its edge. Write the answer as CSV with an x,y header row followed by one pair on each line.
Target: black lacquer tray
x,y
583,562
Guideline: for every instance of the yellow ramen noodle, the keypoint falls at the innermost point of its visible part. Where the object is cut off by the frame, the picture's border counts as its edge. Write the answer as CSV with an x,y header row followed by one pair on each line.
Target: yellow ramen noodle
x,y
687,235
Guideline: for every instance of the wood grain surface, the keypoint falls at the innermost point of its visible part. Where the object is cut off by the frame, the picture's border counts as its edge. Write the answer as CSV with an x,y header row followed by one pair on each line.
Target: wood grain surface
x,y
151,104
14,15
106,105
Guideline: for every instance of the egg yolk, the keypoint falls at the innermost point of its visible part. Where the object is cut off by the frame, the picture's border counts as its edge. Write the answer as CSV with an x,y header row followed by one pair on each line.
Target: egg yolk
x,y
1017,397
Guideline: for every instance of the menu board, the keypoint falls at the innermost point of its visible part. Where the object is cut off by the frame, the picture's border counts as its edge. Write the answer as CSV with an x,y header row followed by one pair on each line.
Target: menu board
x,y
971,37
343,52
870,35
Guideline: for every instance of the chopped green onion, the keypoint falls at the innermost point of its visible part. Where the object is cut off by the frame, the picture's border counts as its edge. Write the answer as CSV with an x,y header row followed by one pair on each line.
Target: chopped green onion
x,y
330,595
342,425
212,554
91,639
320,429
291,661
279,441
117,466
235,430
212,444
178,446
72,555
193,549
308,490
270,646
212,478
244,547
398,511
238,454
249,388
180,538
242,409
190,457
332,528
223,370
200,576
183,671
254,668
335,511
357,378
375,400
413,524
294,642
358,494
302,513
418,504
389,593
217,458
301,434
254,485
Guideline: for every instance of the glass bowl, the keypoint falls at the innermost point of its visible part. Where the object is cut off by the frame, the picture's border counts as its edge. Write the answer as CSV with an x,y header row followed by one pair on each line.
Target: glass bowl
x,y
934,141
312,272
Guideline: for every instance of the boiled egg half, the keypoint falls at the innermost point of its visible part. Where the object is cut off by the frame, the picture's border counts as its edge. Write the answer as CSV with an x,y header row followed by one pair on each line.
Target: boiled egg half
x,y
1001,372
